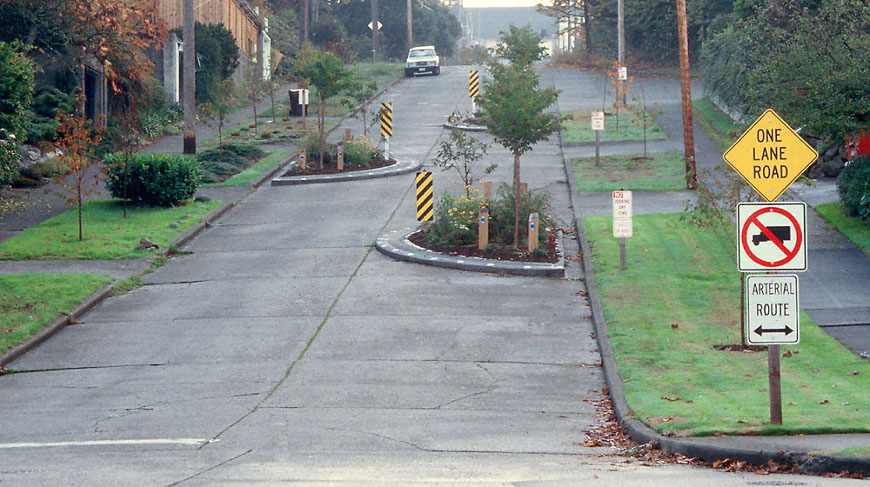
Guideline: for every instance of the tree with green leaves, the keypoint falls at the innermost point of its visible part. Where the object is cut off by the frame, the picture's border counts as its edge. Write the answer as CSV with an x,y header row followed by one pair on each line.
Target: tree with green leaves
x,y
513,109
328,74
16,94
357,97
520,46
217,58
461,152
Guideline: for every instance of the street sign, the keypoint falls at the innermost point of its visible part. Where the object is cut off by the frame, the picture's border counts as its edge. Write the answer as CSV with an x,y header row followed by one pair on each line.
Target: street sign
x,y
771,237
473,83
770,156
597,120
623,73
622,225
386,119
772,309
425,199
379,25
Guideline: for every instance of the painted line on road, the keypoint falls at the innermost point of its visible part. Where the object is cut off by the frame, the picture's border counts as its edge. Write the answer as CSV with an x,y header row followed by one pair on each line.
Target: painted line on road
x,y
155,441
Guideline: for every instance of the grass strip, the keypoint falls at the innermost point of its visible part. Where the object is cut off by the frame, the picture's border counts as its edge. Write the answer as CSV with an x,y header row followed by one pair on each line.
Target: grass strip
x,y
657,172
252,173
853,228
858,451
107,234
30,301
681,296
629,126
717,124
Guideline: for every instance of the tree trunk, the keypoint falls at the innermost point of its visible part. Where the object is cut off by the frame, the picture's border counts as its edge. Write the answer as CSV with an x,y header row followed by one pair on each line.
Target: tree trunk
x,y
587,41
516,200
79,198
320,124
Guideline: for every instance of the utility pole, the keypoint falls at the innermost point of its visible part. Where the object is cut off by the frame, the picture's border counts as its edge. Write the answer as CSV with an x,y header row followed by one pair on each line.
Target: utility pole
x,y
305,11
375,22
189,81
686,89
620,38
410,26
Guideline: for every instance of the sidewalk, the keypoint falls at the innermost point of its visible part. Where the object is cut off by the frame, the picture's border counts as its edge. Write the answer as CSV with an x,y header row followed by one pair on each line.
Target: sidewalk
x,y
835,292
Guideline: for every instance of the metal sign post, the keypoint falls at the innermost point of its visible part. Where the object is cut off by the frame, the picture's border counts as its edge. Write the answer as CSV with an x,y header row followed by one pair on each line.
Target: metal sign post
x,y
425,199
473,89
386,116
622,224
597,126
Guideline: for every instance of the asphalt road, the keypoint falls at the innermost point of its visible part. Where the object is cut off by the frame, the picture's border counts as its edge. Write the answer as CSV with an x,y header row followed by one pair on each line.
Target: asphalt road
x,y
285,350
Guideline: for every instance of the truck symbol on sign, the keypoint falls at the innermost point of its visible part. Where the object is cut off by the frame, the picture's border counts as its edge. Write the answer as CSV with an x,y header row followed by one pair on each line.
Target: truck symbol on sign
x,y
782,233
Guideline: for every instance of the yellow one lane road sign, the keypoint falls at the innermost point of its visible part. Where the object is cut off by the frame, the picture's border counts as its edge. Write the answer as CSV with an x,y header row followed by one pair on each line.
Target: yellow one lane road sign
x,y
770,156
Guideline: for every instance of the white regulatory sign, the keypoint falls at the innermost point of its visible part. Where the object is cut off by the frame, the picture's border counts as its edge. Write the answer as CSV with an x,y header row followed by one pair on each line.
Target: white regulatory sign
x,y
772,309
597,120
771,237
623,73
622,225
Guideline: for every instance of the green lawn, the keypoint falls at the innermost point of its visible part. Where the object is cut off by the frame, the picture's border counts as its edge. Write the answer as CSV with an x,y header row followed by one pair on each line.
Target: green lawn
x,y
716,123
30,301
855,229
681,296
629,127
859,451
658,172
107,235
252,173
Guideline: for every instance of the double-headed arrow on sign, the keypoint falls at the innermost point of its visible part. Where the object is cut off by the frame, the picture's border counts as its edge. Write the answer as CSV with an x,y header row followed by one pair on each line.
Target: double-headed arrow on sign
x,y
761,331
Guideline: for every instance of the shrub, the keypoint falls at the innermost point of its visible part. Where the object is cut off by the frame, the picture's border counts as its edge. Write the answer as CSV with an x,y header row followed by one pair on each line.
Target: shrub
x,y
48,168
360,152
853,185
501,215
153,179
456,218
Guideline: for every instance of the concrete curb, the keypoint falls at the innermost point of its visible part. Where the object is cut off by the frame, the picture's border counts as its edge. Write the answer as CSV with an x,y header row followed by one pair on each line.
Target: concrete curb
x,y
641,433
465,128
401,167
397,246
55,326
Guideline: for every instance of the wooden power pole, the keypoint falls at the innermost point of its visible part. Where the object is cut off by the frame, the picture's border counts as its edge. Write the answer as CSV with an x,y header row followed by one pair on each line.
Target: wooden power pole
x,y
375,23
410,26
686,89
189,81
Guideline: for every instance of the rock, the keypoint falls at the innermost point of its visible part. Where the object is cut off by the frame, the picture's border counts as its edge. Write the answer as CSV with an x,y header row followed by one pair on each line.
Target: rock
x,y
183,217
146,244
173,225
202,199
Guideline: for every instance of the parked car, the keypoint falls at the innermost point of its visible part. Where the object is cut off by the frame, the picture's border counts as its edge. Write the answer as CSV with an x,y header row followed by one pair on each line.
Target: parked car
x,y
422,59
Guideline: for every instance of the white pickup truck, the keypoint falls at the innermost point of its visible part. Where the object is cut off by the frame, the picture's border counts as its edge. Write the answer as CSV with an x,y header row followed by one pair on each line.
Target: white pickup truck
x,y
422,59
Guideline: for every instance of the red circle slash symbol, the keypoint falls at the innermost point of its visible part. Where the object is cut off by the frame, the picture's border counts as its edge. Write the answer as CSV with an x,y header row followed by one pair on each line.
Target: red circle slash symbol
x,y
789,254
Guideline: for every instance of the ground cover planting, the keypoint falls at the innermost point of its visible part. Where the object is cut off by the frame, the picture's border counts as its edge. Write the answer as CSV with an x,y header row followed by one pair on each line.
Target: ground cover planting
x,y
627,125
716,123
30,301
678,299
253,172
655,172
852,227
107,234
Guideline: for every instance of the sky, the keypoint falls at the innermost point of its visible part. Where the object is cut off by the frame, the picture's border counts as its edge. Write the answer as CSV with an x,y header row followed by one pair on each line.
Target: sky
x,y
499,3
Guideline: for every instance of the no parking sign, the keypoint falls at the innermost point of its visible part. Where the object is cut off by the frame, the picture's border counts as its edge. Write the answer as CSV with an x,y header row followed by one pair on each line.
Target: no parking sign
x,y
771,237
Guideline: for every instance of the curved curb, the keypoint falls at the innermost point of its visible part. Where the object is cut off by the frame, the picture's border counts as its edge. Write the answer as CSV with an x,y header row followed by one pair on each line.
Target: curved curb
x,y
465,127
50,329
400,167
641,433
396,245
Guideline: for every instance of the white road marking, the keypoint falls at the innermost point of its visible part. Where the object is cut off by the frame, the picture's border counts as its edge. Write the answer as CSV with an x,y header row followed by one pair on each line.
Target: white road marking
x,y
157,441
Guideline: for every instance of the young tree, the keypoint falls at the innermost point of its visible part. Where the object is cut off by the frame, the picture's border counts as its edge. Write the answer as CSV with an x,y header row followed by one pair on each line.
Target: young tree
x,y
461,153
521,46
253,89
217,109
513,112
357,96
328,74
78,138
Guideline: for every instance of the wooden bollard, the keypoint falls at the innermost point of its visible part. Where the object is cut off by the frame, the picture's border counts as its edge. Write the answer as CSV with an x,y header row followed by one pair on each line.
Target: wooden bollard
x,y
302,164
340,151
487,189
524,188
483,229
533,232
347,134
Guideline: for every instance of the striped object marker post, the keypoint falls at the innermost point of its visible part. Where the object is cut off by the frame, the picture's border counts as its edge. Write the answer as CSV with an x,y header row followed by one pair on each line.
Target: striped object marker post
x,y
425,198
473,89
386,126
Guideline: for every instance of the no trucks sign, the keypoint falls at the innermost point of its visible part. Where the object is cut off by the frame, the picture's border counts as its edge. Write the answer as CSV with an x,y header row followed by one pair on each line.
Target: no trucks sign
x,y
770,155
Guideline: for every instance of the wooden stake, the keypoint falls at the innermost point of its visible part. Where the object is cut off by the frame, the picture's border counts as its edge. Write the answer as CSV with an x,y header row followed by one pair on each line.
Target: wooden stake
x,y
524,188
773,379
347,134
487,189
533,232
302,163
340,162
483,229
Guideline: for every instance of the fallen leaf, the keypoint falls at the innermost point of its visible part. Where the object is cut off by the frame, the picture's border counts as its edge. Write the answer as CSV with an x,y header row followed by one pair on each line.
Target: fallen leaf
x,y
689,401
787,354
672,399
824,401
854,372
675,325
792,404
815,371
846,403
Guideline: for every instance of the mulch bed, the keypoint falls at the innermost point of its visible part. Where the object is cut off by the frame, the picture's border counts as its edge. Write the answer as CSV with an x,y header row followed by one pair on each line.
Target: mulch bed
x,y
738,347
331,167
498,253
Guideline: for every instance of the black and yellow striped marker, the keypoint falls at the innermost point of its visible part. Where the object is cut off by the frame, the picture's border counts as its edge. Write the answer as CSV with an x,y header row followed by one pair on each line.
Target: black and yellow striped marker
x,y
386,119
473,84
425,199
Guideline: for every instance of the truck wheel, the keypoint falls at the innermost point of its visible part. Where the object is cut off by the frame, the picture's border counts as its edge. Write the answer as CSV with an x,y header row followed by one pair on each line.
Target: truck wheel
x,y
437,71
